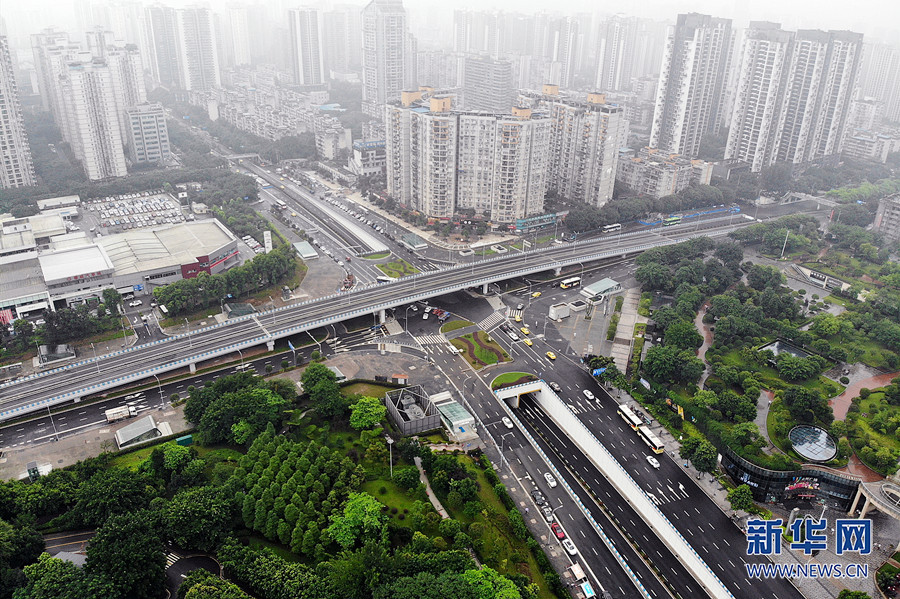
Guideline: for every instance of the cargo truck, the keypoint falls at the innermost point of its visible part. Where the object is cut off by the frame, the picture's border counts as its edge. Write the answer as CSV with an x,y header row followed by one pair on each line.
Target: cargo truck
x,y
121,413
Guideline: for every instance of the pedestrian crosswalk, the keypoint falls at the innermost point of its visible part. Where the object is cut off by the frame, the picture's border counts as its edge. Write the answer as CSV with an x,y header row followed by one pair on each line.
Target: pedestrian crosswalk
x,y
171,558
431,340
491,321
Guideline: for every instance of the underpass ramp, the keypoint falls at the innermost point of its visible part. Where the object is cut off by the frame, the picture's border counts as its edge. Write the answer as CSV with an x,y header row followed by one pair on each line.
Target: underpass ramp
x,y
515,392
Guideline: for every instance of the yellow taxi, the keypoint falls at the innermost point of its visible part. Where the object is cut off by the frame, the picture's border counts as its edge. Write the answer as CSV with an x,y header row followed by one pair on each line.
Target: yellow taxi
x,y
518,318
527,342
536,294
525,331
551,355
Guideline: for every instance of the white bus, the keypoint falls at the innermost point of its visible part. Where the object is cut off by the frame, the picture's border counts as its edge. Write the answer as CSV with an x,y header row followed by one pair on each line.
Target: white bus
x,y
651,440
384,279
612,228
279,205
164,310
630,418
571,282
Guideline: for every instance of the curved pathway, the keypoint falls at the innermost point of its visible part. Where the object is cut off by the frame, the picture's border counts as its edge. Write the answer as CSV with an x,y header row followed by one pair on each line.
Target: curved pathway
x,y
841,403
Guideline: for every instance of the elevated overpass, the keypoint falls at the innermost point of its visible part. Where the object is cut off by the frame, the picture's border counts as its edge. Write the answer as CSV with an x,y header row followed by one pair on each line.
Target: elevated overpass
x,y
76,380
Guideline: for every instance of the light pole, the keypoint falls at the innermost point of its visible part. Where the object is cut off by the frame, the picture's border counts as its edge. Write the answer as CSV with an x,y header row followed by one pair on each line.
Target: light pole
x,y
95,358
390,443
50,414
124,336
159,386
502,457
316,341
242,358
273,310
406,319
187,327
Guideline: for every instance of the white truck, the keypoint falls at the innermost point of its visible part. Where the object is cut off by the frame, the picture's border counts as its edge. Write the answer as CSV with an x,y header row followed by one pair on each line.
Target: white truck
x,y
559,311
120,413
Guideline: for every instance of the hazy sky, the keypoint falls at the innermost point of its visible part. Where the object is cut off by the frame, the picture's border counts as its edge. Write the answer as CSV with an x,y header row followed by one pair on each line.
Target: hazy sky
x,y
875,18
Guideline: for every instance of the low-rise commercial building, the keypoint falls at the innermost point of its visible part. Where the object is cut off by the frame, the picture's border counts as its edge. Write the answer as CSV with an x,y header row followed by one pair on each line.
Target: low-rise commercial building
x,y
657,174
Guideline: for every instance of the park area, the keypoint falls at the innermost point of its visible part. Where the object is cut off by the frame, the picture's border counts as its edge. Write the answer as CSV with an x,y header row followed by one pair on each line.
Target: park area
x,y
480,349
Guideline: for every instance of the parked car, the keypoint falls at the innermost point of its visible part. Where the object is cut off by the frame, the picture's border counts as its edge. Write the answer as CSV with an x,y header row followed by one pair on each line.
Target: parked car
x,y
135,303
538,497
558,531
569,546
547,511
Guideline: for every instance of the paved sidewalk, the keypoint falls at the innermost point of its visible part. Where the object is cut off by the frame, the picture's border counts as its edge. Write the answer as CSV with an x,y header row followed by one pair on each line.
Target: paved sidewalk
x,y
431,496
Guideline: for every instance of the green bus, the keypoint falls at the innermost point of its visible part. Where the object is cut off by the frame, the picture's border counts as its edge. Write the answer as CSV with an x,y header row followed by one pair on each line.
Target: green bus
x,y
672,220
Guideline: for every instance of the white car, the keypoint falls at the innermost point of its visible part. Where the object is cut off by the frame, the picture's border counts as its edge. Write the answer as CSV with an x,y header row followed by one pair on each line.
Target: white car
x,y
551,482
653,461
135,303
507,422
569,547
588,394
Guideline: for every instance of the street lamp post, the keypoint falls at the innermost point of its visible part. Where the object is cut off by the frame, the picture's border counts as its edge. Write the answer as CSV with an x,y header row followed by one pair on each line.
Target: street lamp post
x,y
316,341
390,443
187,326
95,358
502,457
406,319
242,357
50,414
273,310
159,386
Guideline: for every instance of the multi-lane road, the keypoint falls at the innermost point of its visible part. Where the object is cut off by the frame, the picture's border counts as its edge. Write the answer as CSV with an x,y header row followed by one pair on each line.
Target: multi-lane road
x,y
712,534
35,392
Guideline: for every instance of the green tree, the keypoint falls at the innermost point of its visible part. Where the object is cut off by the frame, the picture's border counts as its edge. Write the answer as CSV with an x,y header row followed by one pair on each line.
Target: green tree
x,y
705,456
202,584
198,518
490,584
367,412
761,277
362,518
110,492
654,277
848,594
128,552
807,405
741,498
53,578
683,335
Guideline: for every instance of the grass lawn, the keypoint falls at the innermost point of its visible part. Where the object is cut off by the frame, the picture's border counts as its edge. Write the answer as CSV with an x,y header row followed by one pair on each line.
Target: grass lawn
x,y
477,355
511,377
868,406
395,497
376,255
499,545
279,550
843,301
132,459
397,268
367,389
453,325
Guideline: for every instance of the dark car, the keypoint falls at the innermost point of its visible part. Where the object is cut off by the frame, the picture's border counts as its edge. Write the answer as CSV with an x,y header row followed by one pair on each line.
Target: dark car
x,y
538,497
558,531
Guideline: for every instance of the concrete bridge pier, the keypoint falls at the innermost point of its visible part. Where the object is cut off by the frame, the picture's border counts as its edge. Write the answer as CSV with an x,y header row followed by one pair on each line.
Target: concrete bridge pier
x,y
193,367
513,401
270,345
382,315
484,288
557,271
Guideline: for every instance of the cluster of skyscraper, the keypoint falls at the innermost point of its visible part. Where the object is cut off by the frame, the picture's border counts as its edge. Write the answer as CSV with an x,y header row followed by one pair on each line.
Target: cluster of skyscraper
x,y
98,100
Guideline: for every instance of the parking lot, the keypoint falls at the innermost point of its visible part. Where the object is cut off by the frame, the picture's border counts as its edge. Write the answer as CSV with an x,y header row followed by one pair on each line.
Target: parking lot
x,y
116,214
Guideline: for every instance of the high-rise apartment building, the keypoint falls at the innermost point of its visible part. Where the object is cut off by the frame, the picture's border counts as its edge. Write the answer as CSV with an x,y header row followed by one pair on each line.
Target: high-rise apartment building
x,y
487,84
147,134
162,41
91,109
880,77
692,82
440,69
794,96
764,61
341,35
440,160
887,218
616,45
233,35
126,67
196,49
307,56
477,32
388,54
50,49
16,166
585,137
